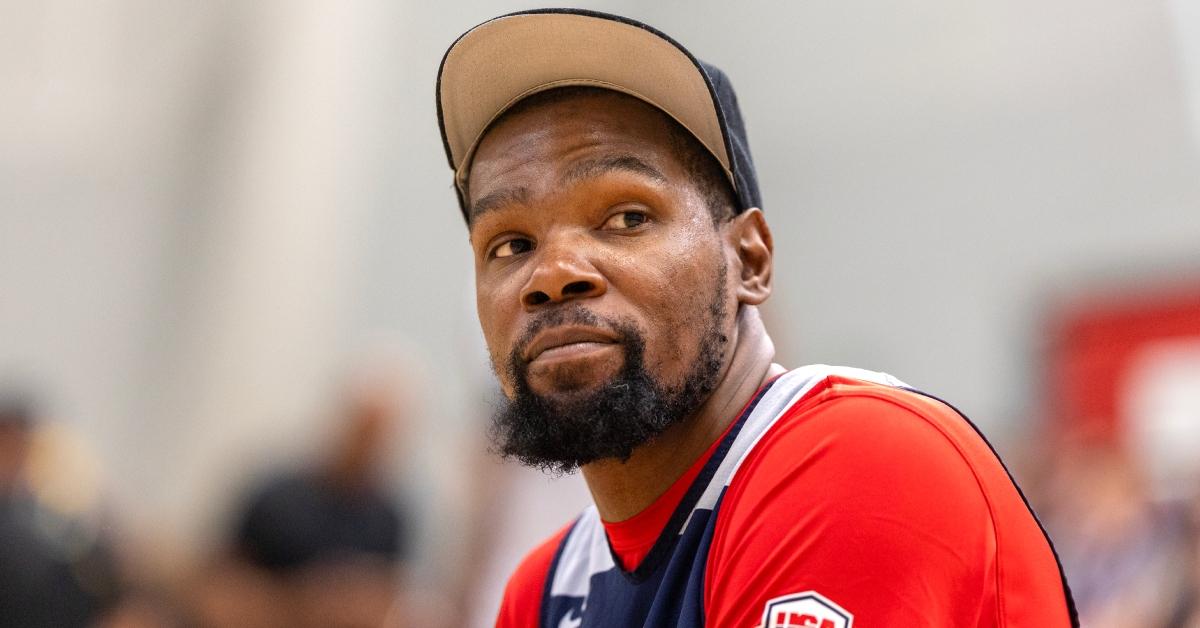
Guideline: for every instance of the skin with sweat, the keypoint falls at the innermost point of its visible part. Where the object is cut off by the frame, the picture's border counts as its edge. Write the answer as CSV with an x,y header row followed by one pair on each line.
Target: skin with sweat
x,y
584,203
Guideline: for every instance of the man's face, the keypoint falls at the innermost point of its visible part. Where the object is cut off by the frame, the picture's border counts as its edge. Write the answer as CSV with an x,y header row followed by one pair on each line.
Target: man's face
x,y
600,279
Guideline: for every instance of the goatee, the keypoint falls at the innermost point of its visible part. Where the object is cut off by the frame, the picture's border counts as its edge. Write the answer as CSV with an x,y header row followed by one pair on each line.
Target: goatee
x,y
559,434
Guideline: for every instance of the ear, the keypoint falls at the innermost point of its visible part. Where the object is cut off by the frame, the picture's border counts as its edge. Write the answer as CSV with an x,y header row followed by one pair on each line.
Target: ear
x,y
748,239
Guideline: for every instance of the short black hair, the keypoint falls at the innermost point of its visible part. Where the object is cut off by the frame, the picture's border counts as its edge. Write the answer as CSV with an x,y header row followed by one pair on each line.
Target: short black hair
x,y
698,162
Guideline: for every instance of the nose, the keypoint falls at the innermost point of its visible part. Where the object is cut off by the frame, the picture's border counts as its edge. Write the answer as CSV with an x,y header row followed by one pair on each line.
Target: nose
x,y
562,273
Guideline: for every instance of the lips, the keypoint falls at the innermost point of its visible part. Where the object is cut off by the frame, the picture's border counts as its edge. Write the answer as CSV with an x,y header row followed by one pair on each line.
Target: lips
x,y
566,337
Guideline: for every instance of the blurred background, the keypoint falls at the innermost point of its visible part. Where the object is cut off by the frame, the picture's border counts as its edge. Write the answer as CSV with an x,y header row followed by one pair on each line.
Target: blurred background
x,y
241,378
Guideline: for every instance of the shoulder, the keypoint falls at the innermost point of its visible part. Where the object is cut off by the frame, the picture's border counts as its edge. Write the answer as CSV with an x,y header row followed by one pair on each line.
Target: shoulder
x,y
856,448
847,431
853,492
523,594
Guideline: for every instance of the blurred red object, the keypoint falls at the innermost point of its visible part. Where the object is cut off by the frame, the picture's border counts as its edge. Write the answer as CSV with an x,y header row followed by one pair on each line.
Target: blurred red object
x,y
1094,341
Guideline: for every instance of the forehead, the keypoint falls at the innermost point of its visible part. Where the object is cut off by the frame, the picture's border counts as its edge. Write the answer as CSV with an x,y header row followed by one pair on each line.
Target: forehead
x,y
555,133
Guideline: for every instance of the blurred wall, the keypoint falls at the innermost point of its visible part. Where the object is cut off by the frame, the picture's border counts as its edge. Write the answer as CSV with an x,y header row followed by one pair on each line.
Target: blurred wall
x,y
205,207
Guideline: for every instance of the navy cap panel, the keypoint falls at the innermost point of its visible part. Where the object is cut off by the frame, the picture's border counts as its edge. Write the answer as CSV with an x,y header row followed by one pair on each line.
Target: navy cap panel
x,y
738,144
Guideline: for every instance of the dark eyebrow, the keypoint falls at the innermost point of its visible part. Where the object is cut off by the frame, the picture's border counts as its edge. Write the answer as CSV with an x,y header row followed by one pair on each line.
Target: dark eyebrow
x,y
498,199
588,169
627,163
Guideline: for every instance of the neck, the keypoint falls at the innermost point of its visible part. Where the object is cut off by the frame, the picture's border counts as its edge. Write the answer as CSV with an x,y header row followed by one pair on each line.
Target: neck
x,y
623,489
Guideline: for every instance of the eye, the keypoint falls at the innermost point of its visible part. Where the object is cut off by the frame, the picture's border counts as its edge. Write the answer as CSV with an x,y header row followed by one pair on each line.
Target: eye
x,y
513,247
625,220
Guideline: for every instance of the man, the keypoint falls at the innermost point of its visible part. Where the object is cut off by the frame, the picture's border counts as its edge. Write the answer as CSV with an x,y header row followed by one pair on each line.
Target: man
x,y
620,256
322,545
54,571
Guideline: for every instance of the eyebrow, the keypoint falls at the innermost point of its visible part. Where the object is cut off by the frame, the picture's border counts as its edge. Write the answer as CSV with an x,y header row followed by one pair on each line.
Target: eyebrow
x,y
588,169
593,168
498,199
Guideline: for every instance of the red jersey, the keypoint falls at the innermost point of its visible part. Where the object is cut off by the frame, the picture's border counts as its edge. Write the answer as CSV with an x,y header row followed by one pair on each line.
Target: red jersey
x,y
837,498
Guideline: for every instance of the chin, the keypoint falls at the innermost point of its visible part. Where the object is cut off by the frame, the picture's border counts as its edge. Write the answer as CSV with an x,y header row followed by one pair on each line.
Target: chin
x,y
572,379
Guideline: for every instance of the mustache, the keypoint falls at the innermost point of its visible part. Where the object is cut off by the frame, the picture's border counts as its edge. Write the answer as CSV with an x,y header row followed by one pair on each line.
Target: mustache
x,y
572,314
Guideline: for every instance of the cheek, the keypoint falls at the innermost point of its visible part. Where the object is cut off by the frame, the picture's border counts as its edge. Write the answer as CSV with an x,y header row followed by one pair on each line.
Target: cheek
x,y
690,281
678,295
497,321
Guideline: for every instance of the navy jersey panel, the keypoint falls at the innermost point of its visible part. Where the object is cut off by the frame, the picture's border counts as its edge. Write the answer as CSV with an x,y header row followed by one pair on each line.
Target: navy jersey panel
x,y
672,596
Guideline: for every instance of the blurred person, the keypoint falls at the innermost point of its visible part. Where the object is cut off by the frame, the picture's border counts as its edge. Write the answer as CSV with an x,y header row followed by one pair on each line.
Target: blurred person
x,y
620,255
16,437
1188,615
55,569
1124,553
323,546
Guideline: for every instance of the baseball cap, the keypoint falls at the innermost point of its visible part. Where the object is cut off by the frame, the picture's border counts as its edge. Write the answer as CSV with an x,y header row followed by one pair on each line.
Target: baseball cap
x,y
506,59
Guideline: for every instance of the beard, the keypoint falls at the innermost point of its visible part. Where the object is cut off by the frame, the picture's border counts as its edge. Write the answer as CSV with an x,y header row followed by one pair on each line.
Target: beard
x,y
561,433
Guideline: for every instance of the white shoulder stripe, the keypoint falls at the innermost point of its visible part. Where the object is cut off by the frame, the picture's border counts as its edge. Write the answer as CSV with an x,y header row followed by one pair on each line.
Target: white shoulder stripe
x,y
585,553
786,390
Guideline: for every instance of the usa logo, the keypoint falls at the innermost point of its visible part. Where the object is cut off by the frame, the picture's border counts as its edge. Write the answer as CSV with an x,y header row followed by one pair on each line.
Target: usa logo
x,y
805,610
